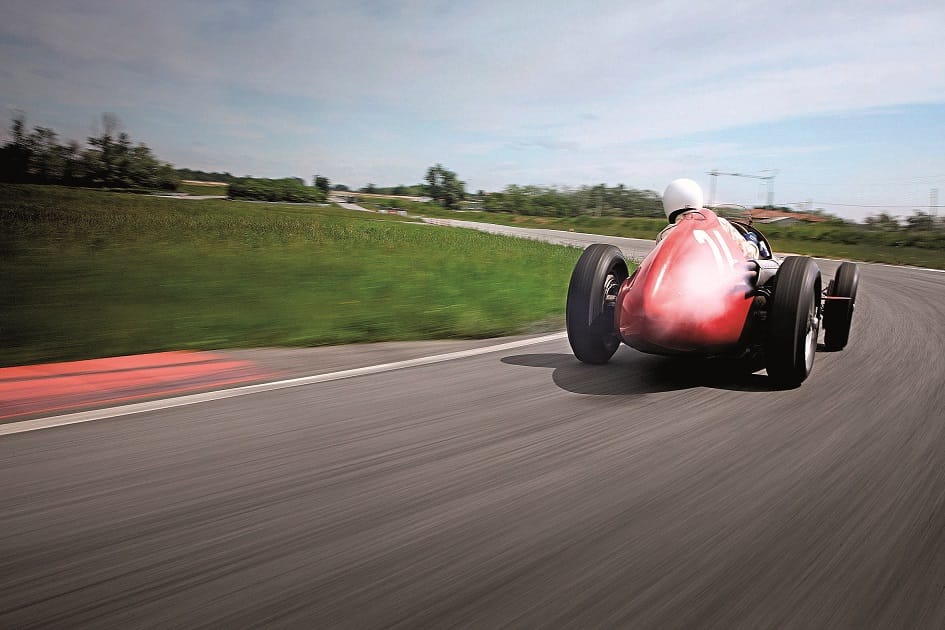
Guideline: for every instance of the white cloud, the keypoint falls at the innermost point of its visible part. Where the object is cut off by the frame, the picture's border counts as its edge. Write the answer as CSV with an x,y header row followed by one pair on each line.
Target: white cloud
x,y
569,88
494,66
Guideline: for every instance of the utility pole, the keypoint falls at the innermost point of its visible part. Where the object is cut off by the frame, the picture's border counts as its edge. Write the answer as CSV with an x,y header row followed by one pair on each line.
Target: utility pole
x,y
933,203
769,179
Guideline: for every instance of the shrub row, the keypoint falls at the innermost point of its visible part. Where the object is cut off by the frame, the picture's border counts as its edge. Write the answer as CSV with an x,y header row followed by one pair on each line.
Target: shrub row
x,y
289,189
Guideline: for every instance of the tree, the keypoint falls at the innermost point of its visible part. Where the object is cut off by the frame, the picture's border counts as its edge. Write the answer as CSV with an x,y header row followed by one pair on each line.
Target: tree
x,y
920,221
123,162
110,160
15,155
167,177
322,184
444,187
102,157
882,221
340,187
73,169
45,160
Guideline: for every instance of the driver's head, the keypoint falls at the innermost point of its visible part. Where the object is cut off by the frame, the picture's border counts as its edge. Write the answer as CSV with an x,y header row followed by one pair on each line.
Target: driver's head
x,y
681,195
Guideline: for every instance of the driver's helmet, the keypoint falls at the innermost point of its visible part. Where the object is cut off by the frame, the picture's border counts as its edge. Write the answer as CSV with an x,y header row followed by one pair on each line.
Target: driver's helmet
x,y
679,196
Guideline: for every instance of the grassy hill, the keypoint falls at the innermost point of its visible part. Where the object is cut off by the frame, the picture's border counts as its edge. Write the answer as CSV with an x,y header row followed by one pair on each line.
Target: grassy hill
x,y
88,274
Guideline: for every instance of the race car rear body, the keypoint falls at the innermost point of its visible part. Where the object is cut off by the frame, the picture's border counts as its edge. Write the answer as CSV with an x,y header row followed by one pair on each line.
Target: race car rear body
x,y
692,294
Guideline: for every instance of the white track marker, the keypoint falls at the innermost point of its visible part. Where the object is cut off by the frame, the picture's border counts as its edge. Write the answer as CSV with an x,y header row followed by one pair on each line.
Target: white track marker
x,y
192,399
906,267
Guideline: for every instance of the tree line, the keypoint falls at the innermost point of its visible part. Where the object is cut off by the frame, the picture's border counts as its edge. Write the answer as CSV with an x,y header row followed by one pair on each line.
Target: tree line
x,y
416,190
918,221
205,176
444,187
109,159
291,189
599,200
112,160
440,184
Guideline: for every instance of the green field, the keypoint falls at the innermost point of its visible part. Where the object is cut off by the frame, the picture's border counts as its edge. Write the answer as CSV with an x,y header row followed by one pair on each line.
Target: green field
x,y
87,274
922,248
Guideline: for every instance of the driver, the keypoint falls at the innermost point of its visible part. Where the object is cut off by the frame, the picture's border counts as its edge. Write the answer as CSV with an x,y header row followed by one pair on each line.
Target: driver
x,y
685,195
681,196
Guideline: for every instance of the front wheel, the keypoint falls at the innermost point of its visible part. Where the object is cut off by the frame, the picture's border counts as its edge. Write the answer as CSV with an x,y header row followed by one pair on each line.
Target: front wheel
x,y
838,314
591,301
793,322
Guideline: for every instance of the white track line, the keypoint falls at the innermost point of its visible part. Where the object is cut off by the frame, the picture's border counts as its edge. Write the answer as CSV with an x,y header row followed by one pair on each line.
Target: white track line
x,y
905,267
192,399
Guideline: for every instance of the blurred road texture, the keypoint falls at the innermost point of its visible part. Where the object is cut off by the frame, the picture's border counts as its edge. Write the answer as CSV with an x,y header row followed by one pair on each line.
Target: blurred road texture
x,y
513,488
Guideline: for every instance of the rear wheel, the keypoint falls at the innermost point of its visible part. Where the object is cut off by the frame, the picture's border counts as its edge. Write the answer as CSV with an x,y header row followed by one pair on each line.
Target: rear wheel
x,y
591,301
838,314
793,322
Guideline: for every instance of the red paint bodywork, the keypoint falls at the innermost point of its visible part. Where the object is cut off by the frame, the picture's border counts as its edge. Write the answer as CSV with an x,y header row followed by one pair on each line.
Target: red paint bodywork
x,y
689,296
56,387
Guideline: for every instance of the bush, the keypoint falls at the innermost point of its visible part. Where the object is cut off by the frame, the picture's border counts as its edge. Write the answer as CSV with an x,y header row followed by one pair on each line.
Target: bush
x,y
288,189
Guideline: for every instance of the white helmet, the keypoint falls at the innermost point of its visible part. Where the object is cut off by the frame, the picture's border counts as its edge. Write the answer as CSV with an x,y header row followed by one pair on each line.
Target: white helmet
x,y
681,194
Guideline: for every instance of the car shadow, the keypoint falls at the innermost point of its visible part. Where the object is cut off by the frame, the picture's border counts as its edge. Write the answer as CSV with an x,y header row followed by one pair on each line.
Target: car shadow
x,y
631,373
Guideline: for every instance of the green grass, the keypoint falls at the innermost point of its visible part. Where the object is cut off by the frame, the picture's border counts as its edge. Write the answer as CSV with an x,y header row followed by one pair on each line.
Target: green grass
x,y
914,256
918,248
87,274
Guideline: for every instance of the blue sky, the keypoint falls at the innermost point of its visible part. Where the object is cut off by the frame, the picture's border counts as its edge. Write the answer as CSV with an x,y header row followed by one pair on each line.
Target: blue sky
x,y
845,100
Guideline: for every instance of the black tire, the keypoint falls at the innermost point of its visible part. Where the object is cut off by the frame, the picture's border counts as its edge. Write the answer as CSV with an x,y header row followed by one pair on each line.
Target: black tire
x,y
838,314
793,321
590,315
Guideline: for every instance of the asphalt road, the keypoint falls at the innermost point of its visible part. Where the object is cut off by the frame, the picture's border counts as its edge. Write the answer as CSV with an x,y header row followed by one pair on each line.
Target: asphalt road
x,y
514,488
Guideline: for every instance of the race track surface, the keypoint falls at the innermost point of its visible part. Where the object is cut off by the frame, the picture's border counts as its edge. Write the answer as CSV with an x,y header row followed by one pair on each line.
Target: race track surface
x,y
516,488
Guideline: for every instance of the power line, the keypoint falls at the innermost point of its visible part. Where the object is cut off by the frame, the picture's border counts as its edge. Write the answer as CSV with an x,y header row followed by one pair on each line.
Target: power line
x,y
768,179
861,205
901,183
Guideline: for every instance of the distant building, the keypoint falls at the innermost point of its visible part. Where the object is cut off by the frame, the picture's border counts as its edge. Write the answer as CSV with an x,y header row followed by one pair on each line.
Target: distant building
x,y
784,217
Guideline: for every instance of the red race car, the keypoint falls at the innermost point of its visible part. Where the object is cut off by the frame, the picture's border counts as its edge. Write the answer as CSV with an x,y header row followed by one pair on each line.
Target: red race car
x,y
712,288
